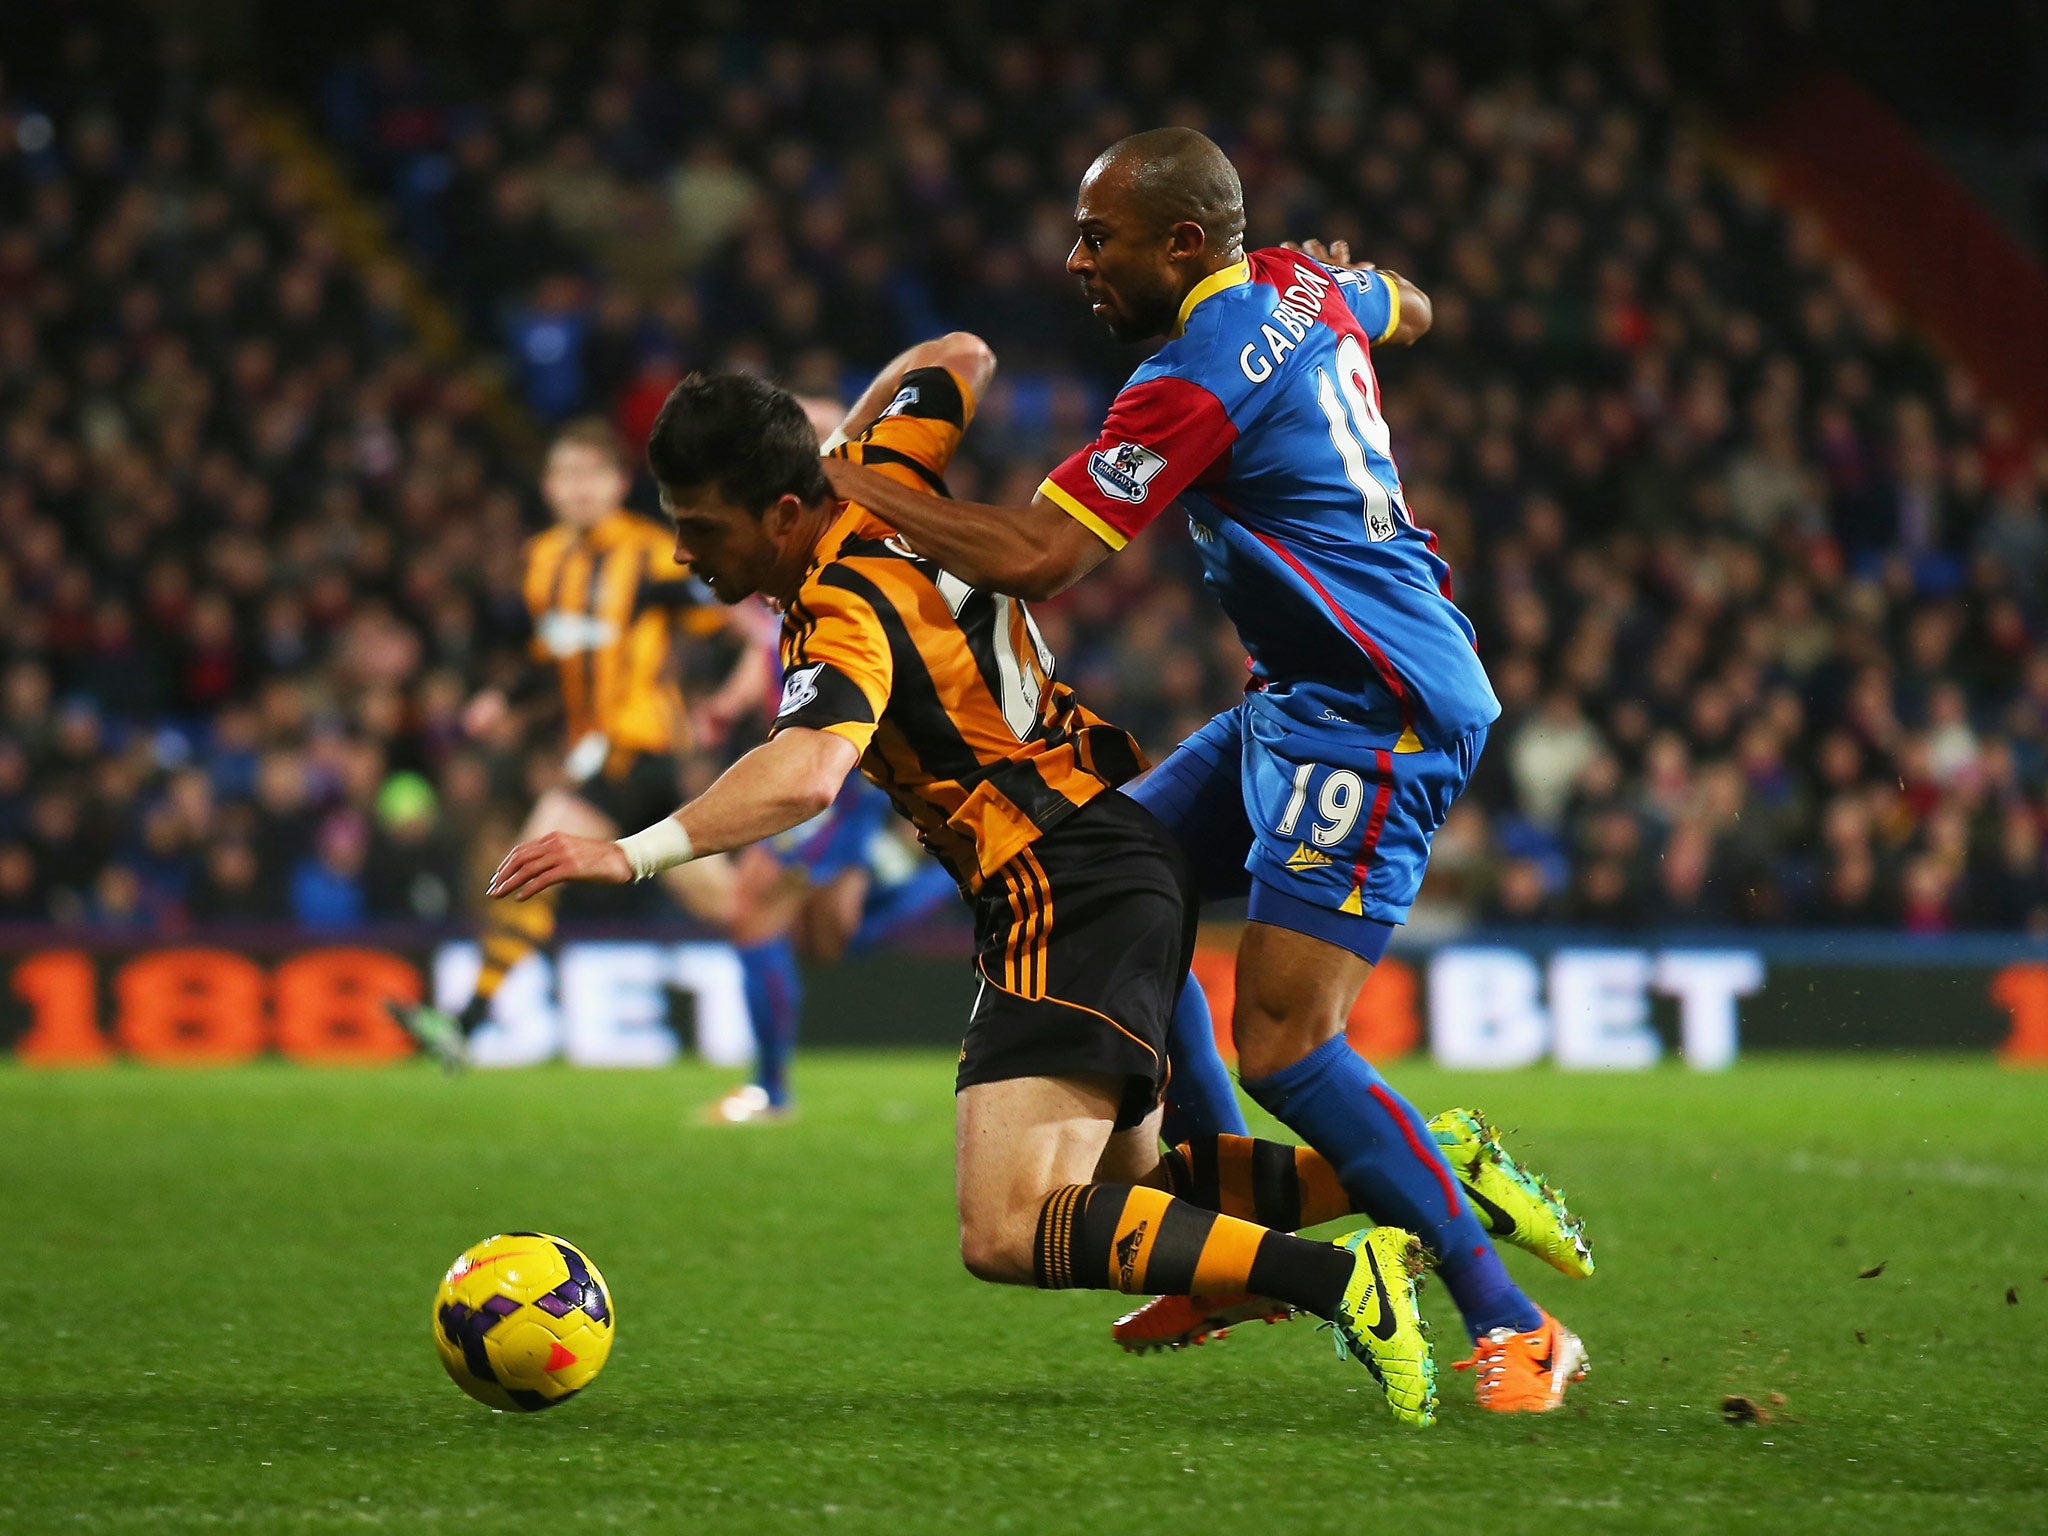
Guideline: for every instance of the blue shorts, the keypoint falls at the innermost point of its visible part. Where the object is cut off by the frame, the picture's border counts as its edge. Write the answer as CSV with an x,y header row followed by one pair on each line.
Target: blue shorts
x,y
1330,818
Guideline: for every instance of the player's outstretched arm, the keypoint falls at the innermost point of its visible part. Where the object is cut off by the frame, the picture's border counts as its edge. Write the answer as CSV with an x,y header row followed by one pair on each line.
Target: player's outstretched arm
x,y
1030,552
1414,313
778,785
971,360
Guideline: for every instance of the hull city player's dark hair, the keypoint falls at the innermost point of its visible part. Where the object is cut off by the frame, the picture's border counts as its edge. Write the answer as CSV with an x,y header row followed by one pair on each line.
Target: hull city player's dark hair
x,y
741,434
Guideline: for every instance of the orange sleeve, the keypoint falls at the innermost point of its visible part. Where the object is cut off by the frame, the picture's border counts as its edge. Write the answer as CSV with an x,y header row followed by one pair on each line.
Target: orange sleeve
x,y
915,438
838,668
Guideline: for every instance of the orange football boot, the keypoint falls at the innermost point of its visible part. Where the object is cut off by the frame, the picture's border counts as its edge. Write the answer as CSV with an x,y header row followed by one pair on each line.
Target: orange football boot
x,y
1526,1372
1174,1322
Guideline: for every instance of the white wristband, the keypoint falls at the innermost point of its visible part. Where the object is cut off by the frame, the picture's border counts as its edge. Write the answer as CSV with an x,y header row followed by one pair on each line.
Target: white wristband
x,y
837,439
661,846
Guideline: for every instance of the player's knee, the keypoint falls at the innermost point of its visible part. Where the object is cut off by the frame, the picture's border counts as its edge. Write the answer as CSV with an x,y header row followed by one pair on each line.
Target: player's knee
x,y
992,1253
1271,1035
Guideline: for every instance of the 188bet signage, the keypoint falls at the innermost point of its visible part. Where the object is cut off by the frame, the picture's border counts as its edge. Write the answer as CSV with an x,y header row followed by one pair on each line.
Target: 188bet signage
x,y
641,1002
594,1004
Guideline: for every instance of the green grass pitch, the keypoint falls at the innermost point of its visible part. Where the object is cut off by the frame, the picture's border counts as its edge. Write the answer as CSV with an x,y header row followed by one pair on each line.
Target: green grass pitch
x,y
219,1284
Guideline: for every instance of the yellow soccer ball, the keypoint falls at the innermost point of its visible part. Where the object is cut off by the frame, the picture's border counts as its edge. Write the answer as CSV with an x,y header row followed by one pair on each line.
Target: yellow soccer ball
x,y
523,1321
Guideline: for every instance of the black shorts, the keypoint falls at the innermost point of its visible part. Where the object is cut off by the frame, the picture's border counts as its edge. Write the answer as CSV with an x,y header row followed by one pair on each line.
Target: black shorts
x,y
635,790
1083,942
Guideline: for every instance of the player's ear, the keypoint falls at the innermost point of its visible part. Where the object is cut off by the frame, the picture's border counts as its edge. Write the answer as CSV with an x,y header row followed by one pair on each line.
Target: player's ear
x,y
1186,240
782,514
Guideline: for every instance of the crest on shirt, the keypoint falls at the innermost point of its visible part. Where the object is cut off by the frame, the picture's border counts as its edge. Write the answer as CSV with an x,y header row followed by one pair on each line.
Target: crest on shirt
x,y
906,397
799,689
1123,470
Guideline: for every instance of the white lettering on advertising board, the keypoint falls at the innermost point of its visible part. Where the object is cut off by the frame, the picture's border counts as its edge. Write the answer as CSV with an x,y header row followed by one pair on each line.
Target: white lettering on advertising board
x,y
603,1004
1494,1007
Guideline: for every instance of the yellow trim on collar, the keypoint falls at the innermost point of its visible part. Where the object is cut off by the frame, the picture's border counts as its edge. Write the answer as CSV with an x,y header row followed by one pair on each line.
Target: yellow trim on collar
x,y
1393,309
1233,276
1080,514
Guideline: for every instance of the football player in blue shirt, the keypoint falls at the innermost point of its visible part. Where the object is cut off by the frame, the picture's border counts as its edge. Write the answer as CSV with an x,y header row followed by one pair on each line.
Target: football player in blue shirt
x,y
1368,705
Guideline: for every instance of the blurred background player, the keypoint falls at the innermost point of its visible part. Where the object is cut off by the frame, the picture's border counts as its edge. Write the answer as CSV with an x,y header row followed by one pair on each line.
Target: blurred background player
x,y
607,603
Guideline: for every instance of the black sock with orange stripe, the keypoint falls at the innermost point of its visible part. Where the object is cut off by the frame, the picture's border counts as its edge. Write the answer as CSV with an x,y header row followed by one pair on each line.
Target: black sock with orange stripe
x,y
1268,1182
1125,1237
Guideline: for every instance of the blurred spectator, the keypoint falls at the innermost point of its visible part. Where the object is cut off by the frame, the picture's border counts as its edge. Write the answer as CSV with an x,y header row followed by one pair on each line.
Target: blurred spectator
x,y
1761,583
230,887
21,897
413,867
327,885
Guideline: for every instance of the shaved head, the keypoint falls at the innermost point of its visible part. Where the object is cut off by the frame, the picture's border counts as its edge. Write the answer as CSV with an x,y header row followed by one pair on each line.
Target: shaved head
x,y
1176,175
1158,212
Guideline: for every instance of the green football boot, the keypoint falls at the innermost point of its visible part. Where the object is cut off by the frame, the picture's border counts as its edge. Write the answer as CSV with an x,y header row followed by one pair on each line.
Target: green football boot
x,y
1512,1203
438,1033
1380,1325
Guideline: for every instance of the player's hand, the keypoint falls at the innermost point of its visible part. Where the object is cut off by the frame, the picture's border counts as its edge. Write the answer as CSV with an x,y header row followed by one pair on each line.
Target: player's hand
x,y
554,857
1336,254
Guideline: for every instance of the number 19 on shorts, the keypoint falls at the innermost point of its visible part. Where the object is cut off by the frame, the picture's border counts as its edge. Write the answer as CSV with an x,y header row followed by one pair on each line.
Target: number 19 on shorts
x,y
1337,805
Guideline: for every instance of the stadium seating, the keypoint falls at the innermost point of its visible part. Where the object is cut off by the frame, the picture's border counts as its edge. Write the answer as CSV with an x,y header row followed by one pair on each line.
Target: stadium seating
x,y
1759,579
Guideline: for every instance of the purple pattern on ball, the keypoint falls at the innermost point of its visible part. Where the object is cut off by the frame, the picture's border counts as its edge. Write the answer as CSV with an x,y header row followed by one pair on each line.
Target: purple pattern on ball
x,y
582,1289
467,1328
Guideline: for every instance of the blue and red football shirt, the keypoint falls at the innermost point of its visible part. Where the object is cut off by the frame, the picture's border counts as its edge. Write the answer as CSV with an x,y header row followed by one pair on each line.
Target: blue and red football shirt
x,y
1261,416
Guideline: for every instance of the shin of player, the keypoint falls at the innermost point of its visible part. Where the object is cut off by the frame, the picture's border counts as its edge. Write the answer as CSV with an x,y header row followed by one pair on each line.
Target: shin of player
x,y
1036,1208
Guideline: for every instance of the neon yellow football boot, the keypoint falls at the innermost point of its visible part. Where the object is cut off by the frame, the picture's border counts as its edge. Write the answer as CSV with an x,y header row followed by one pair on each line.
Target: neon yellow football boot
x,y
1511,1202
1380,1324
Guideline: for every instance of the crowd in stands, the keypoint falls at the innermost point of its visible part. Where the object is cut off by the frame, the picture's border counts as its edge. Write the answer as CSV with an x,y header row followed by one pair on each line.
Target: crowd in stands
x,y
254,551
1759,580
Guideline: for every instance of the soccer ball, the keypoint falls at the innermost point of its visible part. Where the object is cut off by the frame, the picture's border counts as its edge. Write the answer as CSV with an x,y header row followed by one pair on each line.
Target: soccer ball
x,y
523,1321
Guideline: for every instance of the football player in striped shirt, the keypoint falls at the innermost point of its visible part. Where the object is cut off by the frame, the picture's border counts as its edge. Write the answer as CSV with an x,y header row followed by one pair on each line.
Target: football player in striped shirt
x,y
946,697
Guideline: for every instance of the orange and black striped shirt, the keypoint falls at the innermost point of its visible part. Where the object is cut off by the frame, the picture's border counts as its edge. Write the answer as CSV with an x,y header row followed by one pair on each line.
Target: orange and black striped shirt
x,y
603,603
948,692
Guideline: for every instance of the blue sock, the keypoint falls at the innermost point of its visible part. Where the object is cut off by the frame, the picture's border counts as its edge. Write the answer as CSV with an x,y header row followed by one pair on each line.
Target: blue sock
x,y
1389,1164
1200,1101
775,995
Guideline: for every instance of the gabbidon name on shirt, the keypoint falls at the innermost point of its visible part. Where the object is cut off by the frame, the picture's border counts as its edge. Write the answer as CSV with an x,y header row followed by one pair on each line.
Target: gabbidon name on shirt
x,y
1299,308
